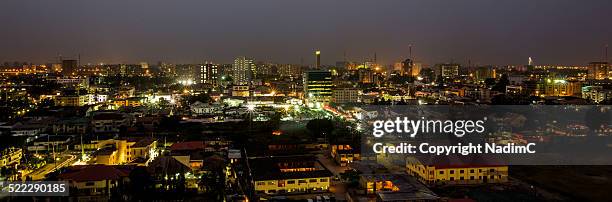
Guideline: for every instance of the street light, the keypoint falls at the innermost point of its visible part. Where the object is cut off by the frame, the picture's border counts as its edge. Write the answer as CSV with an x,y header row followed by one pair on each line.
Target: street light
x,y
251,107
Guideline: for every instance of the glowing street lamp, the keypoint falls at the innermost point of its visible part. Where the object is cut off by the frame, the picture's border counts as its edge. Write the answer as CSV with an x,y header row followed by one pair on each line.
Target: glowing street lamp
x,y
250,107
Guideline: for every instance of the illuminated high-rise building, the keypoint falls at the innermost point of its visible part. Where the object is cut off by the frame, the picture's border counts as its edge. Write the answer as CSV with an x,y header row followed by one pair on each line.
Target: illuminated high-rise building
x,y
366,75
406,69
596,94
289,70
318,86
69,67
449,70
208,74
318,55
557,87
144,69
265,68
483,73
599,70
416,68
144,65
242,71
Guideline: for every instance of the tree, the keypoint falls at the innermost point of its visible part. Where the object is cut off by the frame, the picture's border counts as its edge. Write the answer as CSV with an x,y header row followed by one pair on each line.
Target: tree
x,y
169,123
351,176
489,82
397,79
402,102
202,97
163,103
320,127
500,86
141,183
440,81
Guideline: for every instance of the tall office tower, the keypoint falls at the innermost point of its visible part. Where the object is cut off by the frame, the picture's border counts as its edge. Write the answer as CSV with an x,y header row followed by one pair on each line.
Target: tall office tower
x,y
208,74
407,66
69,67
366,75
265,68
449,70
187,73
144,69
416,68
56,67
144,65
290,70
599,70
242,71
369,65
318,55
397,67
226,69
343,65
318,86
483,73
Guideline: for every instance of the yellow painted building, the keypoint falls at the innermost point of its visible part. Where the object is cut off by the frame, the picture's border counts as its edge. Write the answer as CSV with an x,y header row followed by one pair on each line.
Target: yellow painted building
x,y
460,175
240,91
280,186
10,156
289,175
107,156
378,182
558,87
130,102
71,100
122,151
344,154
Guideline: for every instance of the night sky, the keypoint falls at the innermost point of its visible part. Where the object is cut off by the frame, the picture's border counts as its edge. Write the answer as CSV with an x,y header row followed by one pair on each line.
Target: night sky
x,y
572,32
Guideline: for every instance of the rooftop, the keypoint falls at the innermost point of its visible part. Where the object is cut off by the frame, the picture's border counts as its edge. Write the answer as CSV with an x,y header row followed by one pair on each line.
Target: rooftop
x,y
144,142
98,172
54,138
108,116
191,145
269,168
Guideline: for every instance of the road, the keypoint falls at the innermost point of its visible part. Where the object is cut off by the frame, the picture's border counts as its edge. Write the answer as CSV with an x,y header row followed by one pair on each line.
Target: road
x,y
330,164
65,160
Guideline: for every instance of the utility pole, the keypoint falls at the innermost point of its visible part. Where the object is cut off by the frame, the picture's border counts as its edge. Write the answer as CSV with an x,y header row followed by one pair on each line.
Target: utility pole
x,y
82,149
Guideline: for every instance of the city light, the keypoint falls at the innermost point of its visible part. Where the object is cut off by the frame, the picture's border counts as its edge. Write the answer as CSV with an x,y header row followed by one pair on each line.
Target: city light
x,y
187,82
234,101
250,107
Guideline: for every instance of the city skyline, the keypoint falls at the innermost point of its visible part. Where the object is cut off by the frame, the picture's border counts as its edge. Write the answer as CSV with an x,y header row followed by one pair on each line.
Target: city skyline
x,y
275,100
482,32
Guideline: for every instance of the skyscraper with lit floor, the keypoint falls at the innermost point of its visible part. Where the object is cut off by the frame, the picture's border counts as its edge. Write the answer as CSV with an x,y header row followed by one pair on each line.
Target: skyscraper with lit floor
x,y
242,71
598,70
318,86
318,55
